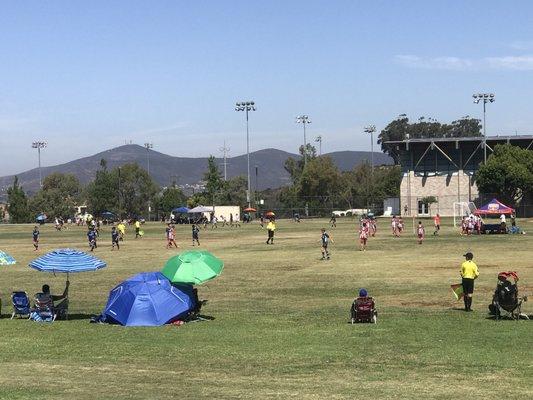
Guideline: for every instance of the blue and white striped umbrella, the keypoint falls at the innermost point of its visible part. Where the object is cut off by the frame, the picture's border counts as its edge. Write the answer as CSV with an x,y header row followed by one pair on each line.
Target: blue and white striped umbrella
x,y
67,261
6,259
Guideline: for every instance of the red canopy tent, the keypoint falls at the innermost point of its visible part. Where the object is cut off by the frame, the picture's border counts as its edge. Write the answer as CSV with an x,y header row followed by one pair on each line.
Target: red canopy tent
x,y
494,207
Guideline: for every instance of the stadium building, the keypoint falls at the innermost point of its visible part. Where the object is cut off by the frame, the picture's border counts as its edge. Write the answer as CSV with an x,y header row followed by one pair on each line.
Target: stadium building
x,y
443,168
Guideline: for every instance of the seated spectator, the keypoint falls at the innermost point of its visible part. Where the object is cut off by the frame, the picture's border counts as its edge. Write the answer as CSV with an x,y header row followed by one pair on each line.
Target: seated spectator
x,y
61,307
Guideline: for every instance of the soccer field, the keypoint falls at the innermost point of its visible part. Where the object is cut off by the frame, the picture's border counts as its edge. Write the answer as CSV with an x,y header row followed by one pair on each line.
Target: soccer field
x,y
281,319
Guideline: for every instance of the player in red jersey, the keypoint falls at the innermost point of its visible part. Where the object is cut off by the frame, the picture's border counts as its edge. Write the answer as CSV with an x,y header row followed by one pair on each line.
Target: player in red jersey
x,y
363,236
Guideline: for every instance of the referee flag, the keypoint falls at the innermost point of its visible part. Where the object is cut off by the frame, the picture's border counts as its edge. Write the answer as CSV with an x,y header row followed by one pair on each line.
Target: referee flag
x,y
457,290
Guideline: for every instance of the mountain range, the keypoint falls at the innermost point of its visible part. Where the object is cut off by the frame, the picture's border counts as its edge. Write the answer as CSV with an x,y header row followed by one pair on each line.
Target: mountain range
x,y
186,172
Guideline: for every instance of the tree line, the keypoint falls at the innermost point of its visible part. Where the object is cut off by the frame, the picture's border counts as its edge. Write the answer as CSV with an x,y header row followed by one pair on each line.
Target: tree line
x,y
126,191
316,183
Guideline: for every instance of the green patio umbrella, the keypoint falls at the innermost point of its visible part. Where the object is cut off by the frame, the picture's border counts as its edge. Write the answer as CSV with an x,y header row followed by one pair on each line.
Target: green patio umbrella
x,y
193,267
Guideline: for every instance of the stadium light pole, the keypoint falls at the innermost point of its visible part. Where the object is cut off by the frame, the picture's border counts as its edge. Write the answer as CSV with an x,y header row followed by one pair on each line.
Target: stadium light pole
x,y
319,141
304,120
148,146
371,129
484,98
39,145
247,106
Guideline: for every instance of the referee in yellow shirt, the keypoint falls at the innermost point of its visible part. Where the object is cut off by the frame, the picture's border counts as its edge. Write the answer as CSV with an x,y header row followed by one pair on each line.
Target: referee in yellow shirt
x,y
469,273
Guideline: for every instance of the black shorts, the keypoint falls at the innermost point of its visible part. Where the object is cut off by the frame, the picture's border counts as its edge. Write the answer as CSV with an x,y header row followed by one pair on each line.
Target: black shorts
x,y
270,234
324,245
468,285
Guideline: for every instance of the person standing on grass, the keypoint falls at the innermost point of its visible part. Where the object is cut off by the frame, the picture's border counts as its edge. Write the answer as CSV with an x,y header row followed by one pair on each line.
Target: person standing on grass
x,y
394,225
121,231
363,236
333,221
469,273
421,232
271,227
436,222
171,236
114,238
137,226
35,235
91,236
195,234
325,239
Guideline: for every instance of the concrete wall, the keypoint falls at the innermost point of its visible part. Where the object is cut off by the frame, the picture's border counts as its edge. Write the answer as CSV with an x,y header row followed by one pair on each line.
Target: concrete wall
x,y
457,187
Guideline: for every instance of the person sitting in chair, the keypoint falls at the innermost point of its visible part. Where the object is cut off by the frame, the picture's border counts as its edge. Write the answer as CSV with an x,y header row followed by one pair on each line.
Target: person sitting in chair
x,y
46,297
363,308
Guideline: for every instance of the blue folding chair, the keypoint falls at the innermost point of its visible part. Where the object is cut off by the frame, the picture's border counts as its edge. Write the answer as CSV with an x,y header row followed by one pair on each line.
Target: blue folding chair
x,y
21,304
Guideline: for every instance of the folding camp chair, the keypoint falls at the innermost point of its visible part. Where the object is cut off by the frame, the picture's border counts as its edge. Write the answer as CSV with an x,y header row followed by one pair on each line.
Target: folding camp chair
x,y
21,304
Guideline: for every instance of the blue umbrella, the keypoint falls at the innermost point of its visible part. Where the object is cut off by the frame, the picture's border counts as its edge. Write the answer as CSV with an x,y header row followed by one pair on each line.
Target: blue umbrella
x,y
6,259
108,215
148,299
67,261
180,210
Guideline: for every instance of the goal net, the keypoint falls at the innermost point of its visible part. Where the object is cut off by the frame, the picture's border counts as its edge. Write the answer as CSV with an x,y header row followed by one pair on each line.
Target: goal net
x,y
462,209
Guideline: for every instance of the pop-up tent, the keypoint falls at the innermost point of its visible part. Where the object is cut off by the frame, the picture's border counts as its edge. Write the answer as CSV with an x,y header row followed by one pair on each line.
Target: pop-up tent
x,y
200,209
494,207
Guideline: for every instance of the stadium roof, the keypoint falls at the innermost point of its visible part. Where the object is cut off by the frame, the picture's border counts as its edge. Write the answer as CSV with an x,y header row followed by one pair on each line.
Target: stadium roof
x,y
463,139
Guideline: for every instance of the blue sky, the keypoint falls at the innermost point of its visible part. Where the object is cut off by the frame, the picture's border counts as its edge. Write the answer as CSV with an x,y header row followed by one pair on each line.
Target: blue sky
x,y
87,76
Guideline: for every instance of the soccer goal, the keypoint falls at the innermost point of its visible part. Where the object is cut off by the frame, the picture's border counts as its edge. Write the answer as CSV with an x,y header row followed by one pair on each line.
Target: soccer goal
x,y
462,209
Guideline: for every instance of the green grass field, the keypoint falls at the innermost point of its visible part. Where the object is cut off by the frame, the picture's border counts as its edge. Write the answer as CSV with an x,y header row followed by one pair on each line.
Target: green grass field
x,y
281,320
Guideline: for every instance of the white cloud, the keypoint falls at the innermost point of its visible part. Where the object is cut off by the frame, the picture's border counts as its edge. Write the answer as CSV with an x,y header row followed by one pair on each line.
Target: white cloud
x,y
521,63
521,45
452,63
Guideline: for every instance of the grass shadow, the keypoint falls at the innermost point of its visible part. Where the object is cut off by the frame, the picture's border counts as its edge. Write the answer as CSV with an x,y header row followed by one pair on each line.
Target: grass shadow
x,y
77,317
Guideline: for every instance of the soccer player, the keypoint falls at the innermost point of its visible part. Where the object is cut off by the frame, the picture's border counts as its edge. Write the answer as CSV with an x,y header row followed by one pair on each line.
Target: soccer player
x,y
271,227
469,273
325,239
373,226
114,238
137,225
436,222
363,236
333,221
121,231
171,236
91,236
394,225
400,225
35,235
195,234
421,232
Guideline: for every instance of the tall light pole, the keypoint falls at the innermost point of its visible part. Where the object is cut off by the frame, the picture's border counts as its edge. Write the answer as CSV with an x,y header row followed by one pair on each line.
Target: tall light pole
x,y
371,129
225,150
304,120
39,145
484,98
319,141
247,106
148,146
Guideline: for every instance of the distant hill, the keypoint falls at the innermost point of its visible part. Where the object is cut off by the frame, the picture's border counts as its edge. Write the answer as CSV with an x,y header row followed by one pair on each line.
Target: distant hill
x,y
165,169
